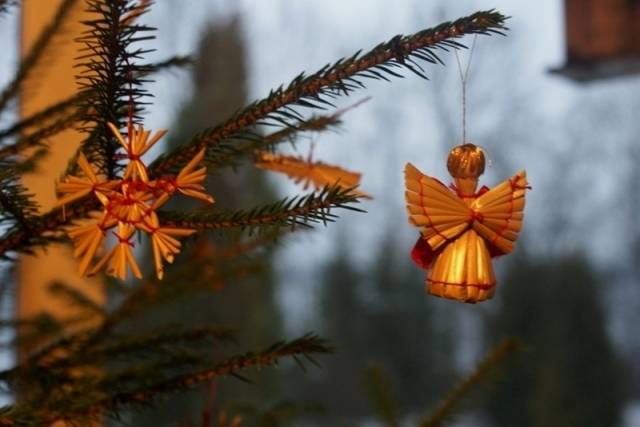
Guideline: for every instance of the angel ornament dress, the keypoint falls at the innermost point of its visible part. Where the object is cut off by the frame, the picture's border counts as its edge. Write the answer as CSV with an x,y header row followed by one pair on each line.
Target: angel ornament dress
x,y
463,229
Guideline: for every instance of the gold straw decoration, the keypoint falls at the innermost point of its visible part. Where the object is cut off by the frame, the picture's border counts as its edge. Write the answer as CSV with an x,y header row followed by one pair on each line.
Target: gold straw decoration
x,y
129,206
461,229
309,172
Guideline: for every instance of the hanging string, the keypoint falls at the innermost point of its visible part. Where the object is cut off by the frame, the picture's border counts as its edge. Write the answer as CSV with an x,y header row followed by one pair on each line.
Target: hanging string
x,y
463,79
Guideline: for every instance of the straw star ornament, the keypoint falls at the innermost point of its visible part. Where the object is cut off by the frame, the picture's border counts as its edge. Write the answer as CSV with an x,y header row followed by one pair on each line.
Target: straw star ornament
x,y
129,207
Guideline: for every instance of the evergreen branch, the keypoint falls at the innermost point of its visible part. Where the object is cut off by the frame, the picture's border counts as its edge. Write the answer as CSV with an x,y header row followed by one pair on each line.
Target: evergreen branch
x,y
381,395
127,347
340,78
289,212
227,151
177,61
440,415
183,279
36,52
76,298
42,229
89,339
73,102
110,78
35,330
19,416
40,321
38,137
109,401
52,364
17,207
47,114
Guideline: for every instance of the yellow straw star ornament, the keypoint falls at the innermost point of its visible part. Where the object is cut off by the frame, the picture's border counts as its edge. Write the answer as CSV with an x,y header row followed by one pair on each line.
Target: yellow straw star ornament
x,y
130,205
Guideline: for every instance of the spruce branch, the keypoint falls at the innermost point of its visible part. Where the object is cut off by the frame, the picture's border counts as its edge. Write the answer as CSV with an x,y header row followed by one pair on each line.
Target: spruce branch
x,y
380,393
37,118
445,409
129,346
38,137
76,298
35,54
228,151
177,61
18,210
334,80
32,328
164,342
69,107
94,343
304,211
110,78
109,400
290,212
43,229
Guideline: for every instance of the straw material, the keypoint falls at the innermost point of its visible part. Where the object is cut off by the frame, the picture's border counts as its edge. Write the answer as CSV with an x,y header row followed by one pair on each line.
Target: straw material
x,y
464,232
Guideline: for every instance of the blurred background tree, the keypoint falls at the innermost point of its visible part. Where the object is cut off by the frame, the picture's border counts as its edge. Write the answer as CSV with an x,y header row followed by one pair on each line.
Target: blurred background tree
x,y
570,373
219,89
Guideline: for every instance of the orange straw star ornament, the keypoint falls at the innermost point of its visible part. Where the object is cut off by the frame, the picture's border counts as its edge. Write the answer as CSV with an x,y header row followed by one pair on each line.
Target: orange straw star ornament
x,y
77,188
189,181
165,247
130,204
120,256
137,145
87,239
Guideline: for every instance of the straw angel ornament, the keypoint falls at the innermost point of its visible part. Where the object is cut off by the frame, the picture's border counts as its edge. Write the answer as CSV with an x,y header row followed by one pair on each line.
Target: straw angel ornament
x,y
461,229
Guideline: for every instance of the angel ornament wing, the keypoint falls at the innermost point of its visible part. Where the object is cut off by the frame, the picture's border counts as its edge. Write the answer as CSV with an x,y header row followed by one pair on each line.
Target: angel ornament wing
x,y
463,229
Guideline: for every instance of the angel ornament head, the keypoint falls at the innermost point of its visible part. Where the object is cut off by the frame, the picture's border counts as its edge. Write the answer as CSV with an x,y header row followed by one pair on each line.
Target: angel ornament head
x,y
462,228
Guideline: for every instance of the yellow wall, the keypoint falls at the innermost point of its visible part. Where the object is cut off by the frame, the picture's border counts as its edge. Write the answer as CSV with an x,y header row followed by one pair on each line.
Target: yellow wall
x,y
52,81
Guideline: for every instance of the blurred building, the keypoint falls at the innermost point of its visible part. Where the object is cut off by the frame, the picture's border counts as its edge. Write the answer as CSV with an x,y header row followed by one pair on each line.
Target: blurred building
x,y
602,39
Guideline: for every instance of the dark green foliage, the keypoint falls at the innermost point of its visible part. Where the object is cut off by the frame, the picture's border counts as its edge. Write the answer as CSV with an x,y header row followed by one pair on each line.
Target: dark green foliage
x,y
63,115
229,152
17,207
111,76
142,365
569,375
91,396
289,212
